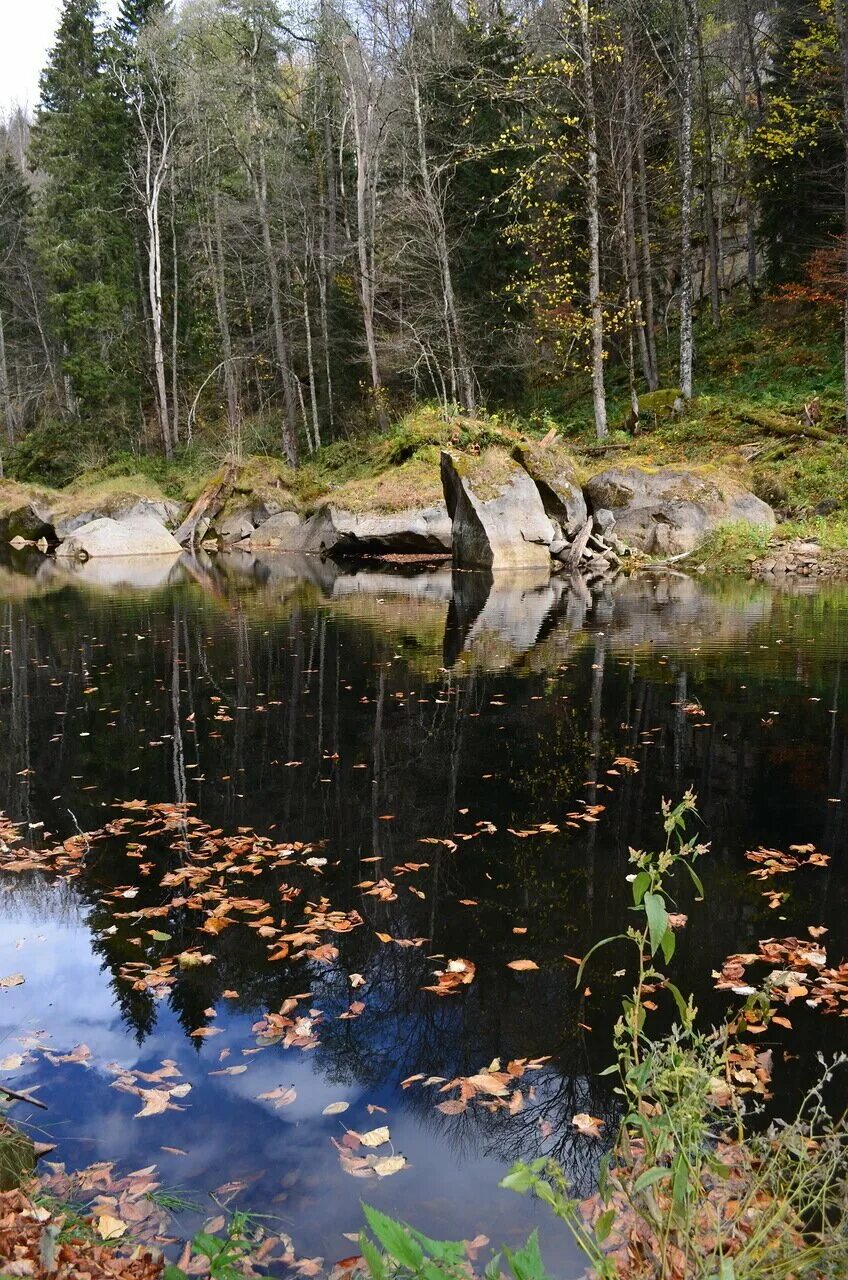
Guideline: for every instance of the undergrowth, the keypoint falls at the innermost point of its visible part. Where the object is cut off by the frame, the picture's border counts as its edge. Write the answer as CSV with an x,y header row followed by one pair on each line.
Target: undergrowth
x,y
692,1187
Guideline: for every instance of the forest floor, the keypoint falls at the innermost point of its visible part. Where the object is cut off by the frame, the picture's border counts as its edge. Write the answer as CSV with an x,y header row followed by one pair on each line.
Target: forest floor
x,y
754,378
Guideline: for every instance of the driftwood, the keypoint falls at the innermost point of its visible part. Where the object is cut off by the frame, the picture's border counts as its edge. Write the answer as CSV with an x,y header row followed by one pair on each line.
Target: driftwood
x,y
208,504
578,546
780,425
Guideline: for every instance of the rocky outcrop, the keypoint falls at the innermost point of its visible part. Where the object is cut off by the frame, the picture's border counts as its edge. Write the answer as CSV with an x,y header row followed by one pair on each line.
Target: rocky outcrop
x,y
141,535
71,515
281,532
670,510
333,531
243,514
555,474
499,521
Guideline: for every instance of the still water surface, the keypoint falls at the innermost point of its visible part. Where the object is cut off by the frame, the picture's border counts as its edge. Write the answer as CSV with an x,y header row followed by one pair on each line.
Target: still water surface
x,y
409,719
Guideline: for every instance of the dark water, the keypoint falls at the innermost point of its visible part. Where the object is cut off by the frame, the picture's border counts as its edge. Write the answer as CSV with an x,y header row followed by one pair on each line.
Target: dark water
x,y
467,704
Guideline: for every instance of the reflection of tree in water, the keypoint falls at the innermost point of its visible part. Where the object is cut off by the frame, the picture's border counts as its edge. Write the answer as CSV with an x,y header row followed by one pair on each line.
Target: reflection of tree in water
x,y
200,698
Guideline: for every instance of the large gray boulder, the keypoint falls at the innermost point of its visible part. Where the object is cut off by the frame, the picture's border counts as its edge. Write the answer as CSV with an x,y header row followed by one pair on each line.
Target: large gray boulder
x,y
71,513
333,531
244,513
671,510
141,535
555,474
281,532
499,521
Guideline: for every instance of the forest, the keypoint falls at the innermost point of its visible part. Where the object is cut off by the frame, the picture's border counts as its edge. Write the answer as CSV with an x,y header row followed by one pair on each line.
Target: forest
x,y
273,228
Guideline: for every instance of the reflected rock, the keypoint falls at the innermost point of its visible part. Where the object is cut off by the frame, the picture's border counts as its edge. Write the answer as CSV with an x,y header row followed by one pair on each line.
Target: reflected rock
x,y
495,618
115,573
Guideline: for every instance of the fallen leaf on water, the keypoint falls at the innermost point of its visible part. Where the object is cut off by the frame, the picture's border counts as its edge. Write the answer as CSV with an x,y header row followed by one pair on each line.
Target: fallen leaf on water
x,y
282,1096
522,965
588,1125
453,1107
335,1109
374,1137
13,980
109,1228
229,1071
385,1166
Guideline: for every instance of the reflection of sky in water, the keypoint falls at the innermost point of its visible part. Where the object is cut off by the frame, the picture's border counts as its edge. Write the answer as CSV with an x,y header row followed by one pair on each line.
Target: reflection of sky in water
x,y
286,1156
333,670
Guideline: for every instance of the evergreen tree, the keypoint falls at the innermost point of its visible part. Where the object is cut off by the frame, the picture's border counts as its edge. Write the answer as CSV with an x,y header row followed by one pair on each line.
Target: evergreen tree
x,y
83,236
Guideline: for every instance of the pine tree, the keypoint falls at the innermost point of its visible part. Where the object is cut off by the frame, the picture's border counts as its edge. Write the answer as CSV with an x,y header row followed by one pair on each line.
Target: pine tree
x,y
82,233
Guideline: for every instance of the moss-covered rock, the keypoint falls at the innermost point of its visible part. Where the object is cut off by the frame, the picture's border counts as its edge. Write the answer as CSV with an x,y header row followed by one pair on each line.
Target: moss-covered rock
x,y
556,475
499,521
671,510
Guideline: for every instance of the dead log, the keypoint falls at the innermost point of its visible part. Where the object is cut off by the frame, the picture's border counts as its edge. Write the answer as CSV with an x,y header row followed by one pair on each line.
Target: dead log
x,y
780,425
208,504
578,546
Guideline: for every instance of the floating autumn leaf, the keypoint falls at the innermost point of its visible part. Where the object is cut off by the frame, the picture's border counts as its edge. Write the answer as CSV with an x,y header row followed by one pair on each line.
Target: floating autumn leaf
x,y
453,1106
109,1228
335,1109
156,1101
374,1137
229,1071
588,1125
385,1166
456,974
282,1096
13,980
522,965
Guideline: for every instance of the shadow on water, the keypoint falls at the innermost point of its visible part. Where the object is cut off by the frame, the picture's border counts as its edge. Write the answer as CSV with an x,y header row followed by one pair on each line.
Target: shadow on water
x,y
396,719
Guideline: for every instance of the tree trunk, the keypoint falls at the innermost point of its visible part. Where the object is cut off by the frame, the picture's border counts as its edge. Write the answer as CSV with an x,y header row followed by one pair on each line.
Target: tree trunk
x,y
175,324
463,372
629,234
686,188
593,198
713,246
5,393
647,257
366,160
220,285
842,18
260,186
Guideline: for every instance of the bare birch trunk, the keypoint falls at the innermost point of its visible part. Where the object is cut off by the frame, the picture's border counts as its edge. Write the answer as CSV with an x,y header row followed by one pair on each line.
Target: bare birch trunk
x,y
220,287
5,392
592,191
842,18
463,373
631,259
713,245
366,160
686,190
647,257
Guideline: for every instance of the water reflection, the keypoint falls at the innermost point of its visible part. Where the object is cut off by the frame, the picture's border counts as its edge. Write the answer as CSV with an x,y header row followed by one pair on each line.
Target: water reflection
x,y
367,712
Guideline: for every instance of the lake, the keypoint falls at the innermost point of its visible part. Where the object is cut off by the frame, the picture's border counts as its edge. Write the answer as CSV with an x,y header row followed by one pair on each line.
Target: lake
x,y
439,768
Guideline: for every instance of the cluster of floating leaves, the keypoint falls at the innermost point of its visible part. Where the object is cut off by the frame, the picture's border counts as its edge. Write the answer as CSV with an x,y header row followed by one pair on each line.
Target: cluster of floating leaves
x,y
495,1088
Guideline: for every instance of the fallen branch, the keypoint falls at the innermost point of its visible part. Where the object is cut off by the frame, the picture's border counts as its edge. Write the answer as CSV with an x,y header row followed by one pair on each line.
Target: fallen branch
x,y
780,425
22,1097
208,504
